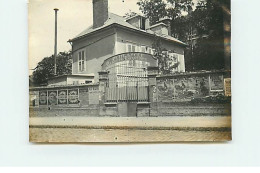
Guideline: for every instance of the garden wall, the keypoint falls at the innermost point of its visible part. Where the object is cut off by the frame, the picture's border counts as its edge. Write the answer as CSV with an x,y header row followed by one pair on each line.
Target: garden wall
x,y
186,94
180,87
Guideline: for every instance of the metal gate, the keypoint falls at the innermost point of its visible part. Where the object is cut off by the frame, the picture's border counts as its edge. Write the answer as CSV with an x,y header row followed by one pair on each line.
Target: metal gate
x,y
127,82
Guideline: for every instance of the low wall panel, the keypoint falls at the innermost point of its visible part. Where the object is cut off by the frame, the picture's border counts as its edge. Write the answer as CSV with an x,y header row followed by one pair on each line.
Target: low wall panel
x,y
84,97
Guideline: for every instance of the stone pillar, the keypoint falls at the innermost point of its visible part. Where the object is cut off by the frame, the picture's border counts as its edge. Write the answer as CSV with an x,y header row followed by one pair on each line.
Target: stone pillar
x,y
152,73
103,77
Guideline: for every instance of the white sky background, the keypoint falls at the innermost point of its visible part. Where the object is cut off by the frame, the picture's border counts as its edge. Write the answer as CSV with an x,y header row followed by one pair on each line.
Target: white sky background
x,y
73,17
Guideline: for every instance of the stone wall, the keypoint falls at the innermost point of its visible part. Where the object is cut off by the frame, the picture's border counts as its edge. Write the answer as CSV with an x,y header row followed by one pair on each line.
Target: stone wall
x,y
65,96
90,111
171,95
184,109
181,87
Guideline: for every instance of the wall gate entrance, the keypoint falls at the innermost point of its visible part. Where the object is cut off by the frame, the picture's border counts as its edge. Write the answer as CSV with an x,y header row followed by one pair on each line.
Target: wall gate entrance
x,y
127,82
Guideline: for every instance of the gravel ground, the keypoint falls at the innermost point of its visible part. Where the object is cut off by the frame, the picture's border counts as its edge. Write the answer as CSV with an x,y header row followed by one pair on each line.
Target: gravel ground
x,y
116,135
122,129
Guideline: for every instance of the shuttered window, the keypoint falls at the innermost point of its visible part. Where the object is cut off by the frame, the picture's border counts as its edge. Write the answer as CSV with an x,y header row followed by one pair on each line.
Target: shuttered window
x,y
81,60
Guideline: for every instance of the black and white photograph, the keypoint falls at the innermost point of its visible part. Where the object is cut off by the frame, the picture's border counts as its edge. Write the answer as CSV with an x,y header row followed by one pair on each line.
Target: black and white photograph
x,y
129,71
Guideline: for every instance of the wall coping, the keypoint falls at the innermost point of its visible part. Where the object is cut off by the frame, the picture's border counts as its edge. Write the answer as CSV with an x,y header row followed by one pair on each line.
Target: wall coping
x,y
61,86
193,73
73,75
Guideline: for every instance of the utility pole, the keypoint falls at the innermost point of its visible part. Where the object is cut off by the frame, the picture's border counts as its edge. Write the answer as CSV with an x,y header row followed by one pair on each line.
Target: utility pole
x,y
55,42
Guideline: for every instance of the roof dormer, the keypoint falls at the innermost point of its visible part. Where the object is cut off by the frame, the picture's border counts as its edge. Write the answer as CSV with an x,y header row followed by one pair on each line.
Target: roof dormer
x,y
160,28
138,21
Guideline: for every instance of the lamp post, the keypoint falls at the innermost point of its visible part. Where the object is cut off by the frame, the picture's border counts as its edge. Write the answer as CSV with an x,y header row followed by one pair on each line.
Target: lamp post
x,y
55,42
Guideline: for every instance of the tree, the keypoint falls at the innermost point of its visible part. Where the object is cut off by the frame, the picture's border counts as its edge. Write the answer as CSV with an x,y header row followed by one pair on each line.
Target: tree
x,y
45,68
174,9
209,51
156,9
162,55
202,27
153,9
130,14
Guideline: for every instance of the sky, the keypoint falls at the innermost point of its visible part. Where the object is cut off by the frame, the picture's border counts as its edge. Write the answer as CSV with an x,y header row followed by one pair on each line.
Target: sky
x,y
73,17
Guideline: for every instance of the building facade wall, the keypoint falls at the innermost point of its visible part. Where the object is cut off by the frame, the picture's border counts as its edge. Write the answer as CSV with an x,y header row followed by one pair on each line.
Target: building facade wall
x,y
77,80
123,38
97,48
59,81
101,46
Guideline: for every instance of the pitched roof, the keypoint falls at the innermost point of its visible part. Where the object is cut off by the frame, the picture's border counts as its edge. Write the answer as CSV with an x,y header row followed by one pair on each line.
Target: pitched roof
x,y
157,24
136,15
121,21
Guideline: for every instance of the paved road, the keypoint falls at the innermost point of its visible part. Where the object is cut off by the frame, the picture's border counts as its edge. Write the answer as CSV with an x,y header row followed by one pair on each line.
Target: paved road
x,y
121,129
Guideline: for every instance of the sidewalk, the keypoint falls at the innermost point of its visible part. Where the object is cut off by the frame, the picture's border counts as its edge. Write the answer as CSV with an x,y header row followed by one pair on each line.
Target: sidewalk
x,y
128,122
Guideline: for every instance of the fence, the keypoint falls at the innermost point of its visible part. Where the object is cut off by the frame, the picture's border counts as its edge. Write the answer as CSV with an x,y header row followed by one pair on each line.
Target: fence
x,y
127,82
127,94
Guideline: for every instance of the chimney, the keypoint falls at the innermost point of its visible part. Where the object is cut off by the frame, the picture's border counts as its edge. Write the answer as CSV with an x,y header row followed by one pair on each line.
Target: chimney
x,y
100,12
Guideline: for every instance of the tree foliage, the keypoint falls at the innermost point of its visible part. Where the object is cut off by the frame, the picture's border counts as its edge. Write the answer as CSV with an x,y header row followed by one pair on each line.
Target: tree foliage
x,y
162,55
45,68
156,9
209,50
200,24
130,14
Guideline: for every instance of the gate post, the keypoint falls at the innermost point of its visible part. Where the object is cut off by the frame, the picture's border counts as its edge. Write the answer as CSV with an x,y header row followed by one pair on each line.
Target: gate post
x,y
103,77
152,73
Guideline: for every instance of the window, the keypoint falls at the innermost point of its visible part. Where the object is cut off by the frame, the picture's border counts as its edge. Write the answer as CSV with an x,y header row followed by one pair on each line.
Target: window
x,y
150,50
81,57
129,48
143,49
134,48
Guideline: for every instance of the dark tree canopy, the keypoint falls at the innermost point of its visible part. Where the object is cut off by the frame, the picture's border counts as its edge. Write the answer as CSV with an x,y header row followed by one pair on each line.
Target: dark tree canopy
x,y
45,68
209,51
156,9
201,25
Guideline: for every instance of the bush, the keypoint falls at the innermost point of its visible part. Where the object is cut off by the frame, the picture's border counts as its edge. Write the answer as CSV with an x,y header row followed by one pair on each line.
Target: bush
x,y
212,99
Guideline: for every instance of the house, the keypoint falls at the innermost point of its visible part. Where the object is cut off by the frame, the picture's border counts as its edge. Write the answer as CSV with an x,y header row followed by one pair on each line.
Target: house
x,y
121,46
114,72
